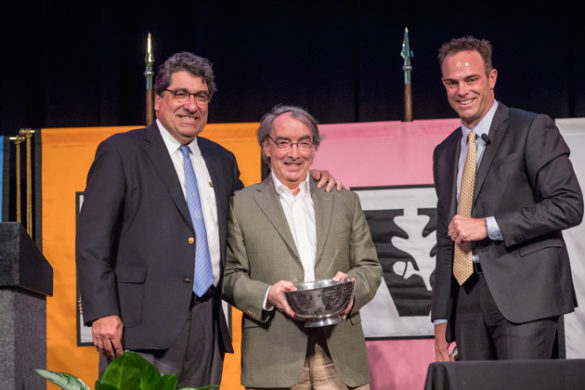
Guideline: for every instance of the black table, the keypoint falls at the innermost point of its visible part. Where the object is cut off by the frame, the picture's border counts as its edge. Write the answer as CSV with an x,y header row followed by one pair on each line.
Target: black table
x,y
510,374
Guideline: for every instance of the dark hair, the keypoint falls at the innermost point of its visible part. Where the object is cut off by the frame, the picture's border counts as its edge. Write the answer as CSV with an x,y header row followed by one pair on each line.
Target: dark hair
x,y
296,112
468,43
188,62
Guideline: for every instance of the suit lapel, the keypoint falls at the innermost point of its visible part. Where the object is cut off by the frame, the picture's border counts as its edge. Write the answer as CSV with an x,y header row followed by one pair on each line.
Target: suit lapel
x,y
323,203
451,163
218,182
158,154
267,200
496,134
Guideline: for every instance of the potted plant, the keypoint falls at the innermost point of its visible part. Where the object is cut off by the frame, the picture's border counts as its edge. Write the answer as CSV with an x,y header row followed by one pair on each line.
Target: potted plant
x,y
129,371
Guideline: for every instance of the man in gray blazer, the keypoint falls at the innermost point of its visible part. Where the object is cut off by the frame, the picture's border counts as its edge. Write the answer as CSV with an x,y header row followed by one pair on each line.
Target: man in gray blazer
x,y
286,230
150,244
525,194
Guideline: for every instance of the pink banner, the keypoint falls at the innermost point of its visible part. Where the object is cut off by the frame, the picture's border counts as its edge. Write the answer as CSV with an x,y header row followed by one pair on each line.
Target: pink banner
x,y
382,153
399,364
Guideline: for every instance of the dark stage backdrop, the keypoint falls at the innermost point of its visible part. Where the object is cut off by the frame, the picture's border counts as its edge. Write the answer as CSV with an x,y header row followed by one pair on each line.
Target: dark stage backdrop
x,y
79,63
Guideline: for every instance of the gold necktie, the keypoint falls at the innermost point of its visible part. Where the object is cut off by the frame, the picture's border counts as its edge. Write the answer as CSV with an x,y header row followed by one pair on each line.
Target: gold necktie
x,y
462,264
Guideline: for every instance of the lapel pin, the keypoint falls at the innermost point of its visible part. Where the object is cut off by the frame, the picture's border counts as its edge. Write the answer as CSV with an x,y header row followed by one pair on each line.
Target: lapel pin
x,y
211,184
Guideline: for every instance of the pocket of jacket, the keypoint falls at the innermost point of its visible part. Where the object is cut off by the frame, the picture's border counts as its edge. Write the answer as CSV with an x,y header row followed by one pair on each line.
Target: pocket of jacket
x,y
130,281
539,245
355,319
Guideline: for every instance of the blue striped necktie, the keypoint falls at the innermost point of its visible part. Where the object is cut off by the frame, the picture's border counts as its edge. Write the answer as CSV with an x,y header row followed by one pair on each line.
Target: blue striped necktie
x,y
203,277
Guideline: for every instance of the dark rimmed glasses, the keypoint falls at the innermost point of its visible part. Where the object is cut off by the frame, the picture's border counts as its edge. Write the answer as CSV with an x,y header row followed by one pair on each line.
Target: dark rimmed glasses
x,y
183,95
304,144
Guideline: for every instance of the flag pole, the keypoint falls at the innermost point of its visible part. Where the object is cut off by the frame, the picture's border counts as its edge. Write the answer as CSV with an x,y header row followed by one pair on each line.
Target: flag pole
x,y
148,73
407,54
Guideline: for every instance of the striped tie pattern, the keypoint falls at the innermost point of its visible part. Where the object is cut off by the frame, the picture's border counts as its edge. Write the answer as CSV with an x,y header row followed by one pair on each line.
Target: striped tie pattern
x,y
462,262
203,276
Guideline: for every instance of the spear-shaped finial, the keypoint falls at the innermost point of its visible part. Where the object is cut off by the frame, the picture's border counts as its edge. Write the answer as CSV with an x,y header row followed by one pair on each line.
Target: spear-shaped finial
x,y
148,73
407,54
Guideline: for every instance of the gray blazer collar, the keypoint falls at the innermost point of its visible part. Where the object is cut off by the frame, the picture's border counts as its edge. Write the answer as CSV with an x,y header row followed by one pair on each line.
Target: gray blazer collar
x,y
267,200
323,202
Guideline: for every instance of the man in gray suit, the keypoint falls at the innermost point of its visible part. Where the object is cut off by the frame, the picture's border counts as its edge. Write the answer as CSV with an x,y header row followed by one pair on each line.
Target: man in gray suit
x,y
525,193
286,230
150,244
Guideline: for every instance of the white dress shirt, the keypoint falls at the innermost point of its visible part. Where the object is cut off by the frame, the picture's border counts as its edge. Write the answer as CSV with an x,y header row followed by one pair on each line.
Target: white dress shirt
x,y
299,211
206,192
300,215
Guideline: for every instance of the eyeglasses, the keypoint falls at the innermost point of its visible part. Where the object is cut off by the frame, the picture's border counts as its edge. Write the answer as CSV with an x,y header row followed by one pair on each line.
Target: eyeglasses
x,y
303,144
182,96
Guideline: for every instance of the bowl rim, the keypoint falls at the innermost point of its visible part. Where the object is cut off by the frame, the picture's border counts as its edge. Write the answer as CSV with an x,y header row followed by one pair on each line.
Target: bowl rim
x,y
335,283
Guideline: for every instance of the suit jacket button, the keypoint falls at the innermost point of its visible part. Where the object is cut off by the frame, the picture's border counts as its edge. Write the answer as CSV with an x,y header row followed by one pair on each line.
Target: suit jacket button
x,y
187,280
190,240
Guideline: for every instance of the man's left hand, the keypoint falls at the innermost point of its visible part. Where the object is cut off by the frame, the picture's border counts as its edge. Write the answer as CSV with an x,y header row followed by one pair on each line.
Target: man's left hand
x,y
340,277
325,178
463,229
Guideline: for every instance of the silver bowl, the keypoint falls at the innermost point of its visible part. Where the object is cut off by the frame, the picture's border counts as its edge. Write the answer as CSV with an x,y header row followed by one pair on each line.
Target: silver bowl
x,y
320,302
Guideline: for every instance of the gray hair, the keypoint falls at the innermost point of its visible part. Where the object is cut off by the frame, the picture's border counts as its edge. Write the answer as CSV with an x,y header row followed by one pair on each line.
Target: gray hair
x,y
468,43
296,112
188,62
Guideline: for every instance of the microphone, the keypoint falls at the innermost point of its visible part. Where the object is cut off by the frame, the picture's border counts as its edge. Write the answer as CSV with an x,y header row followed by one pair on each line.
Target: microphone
x,y
486,139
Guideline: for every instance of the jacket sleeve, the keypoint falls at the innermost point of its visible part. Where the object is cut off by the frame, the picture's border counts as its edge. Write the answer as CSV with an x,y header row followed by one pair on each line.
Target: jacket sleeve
x,y
441,280
557,199
97,227
365,267
238,288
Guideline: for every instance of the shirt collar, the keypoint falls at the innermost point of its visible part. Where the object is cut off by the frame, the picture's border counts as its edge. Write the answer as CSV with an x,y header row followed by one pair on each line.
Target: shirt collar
x,y
171,142
483,126
282,189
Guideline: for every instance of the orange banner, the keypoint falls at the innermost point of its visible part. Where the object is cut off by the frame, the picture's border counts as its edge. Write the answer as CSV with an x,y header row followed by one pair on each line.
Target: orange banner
x,y
67,154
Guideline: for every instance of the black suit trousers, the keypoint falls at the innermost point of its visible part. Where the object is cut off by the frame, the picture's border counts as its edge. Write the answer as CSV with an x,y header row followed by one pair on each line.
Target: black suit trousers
x,y
482,332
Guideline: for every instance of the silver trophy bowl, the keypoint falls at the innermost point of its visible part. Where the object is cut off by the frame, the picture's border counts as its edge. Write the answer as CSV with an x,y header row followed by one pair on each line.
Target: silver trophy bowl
x,y
320,302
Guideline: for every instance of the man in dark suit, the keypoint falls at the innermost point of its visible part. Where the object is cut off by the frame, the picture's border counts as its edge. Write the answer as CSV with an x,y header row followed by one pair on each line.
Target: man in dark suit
x,y
150,244
513,277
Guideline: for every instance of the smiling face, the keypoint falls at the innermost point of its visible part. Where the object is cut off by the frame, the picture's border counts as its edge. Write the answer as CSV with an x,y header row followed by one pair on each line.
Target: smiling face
x,y
184,121
470,90
290,166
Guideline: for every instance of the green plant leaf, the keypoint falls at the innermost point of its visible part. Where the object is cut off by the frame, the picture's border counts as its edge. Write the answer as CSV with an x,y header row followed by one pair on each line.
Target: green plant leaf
x,y
166,382
104,386
149,374
131,371
65,381
122,373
